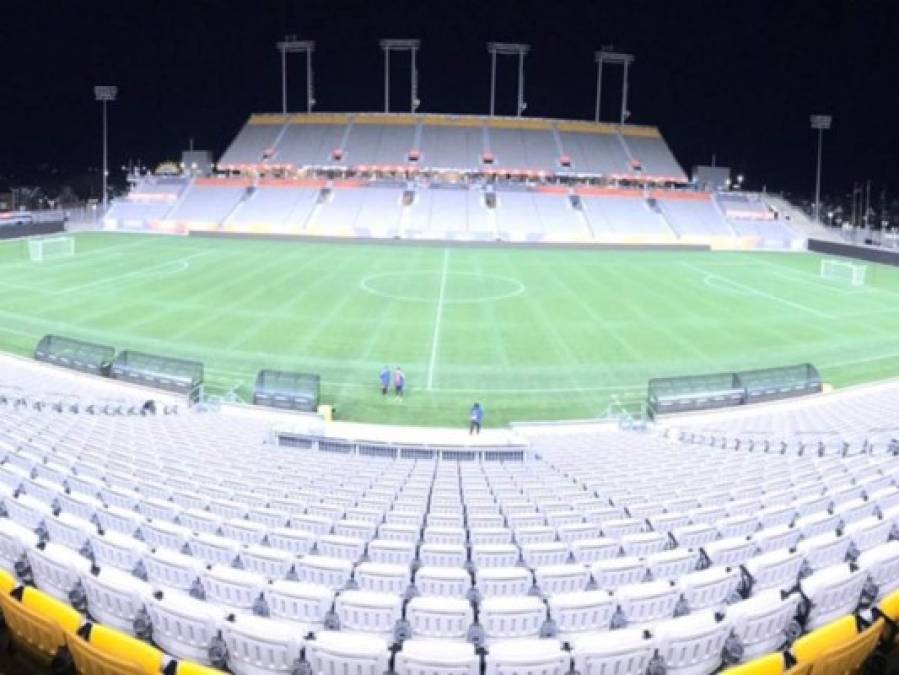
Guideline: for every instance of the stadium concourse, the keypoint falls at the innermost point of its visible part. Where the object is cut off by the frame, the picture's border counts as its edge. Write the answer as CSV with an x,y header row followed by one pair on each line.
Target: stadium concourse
x,y
201,540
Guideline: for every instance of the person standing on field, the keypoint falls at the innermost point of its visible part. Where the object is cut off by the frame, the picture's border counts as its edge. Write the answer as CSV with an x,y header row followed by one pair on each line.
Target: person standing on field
x,y
385,380
476,416
399,382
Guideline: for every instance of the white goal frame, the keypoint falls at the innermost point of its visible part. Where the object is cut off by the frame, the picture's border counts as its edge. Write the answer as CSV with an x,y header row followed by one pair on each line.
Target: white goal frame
x,y
45,248
842,270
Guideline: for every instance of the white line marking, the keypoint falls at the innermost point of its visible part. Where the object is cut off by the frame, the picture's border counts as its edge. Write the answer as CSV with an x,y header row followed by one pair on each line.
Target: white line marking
x,y
436,338
756,291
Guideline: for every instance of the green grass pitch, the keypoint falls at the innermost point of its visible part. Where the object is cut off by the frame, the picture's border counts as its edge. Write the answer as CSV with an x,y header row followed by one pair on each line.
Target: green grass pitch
x,y
536,334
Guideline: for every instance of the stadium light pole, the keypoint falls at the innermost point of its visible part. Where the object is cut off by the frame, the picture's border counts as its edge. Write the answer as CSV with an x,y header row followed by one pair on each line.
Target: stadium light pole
x,y
105,93
608,55
821,123
396,45
507,49
290,45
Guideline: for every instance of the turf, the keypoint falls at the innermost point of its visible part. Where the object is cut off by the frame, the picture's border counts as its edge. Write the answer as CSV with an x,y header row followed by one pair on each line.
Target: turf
x,y
531,334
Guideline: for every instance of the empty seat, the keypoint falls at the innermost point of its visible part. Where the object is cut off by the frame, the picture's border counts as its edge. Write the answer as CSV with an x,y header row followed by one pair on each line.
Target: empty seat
x,y
692,644
70,530
534,534
447,535
163,534
552,579
15,540
495,555
824,550
777,569
831,593
115,598
382,577
643,604
672,564
184,627
244,532
299,601
172,570
295,542
511,617
776,538
626,651
694,536
342,653
737,526
621,527
261,646
731,552
817,523
536,554
710,588
881,564
214,549
503,581
581,612
763,622
433,657
644,543
532,656
442,555
615,572
200,521
369,611
115,519
271,563
57,570
867,533
443,581
439,617
114,549
391,551
236,589
589,551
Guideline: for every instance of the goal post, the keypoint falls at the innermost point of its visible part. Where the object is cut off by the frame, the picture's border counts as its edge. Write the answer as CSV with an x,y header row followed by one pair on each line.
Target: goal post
x,y
843,270
47,248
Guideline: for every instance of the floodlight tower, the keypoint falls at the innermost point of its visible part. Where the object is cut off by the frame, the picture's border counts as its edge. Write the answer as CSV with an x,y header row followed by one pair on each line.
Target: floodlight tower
x,y
393,45
290,45
105,93
608,55
510,49
822,124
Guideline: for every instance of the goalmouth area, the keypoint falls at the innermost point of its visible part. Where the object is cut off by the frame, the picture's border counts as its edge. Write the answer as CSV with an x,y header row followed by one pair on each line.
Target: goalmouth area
x,y
531,334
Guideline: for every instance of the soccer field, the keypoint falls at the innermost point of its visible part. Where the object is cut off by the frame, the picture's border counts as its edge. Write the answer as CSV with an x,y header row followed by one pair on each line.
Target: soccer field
x,y
534,334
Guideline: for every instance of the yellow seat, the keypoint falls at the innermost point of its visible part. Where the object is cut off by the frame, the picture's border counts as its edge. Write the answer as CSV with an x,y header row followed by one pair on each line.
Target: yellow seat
x,y
770,664
191,668
90,660
122,647
890,606
7,582
38,635
838,648
55,610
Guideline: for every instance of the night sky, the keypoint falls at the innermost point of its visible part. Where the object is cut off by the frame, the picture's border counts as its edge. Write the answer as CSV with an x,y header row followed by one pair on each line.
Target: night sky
x,y
733,78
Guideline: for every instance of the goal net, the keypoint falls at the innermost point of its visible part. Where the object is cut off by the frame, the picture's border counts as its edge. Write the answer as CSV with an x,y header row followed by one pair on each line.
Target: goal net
x,y
841,270
46,248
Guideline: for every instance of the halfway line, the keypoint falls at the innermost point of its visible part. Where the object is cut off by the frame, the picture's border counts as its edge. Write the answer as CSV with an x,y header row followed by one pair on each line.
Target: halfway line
x,y
436,337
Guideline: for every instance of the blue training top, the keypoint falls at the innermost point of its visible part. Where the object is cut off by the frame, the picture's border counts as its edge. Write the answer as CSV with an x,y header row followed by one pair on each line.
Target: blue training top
x,y
385,377
477,414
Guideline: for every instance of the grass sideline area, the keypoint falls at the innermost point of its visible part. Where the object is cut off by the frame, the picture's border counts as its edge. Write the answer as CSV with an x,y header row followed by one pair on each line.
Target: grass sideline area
x,y
533,334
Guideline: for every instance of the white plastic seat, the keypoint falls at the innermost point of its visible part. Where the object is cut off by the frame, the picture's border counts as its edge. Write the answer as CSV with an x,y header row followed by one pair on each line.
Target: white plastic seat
x,y
643,543
244,532
494,555
442,555
537,554
854,510
737,526
776,538
27,511
398,532
227,509
369,612
158,509
443,581
810,504
672,564
271,563
761,623
772,516
300,602
730,552
404,518
449,536
614,572
183,626
621,527
78,504
668,522
695,536
260,646
391,551
347,653
200,521
490,535
317,569
236,589
163,534
534,534
437,657
69,530
115,598
295,542
824,550
881,564
115,519
692,644
172,570
511,617
435,617
589,551
444,519
269,517
831,593
643,604
15,540
503,581
213,549
56,569
621,652
868,533
357,529
777,569
317,525
581,612
527,657
383,577
114,549
709,588
565,578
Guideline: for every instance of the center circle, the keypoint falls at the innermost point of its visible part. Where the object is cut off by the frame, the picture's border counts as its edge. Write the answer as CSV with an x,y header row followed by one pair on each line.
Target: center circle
x,y
458,287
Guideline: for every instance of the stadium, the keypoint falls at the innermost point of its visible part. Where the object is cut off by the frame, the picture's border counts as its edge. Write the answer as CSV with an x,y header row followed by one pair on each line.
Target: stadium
x,y
443,393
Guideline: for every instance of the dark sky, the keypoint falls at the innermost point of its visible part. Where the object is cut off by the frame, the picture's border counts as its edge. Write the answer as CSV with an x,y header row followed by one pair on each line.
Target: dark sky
x,y
733,78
